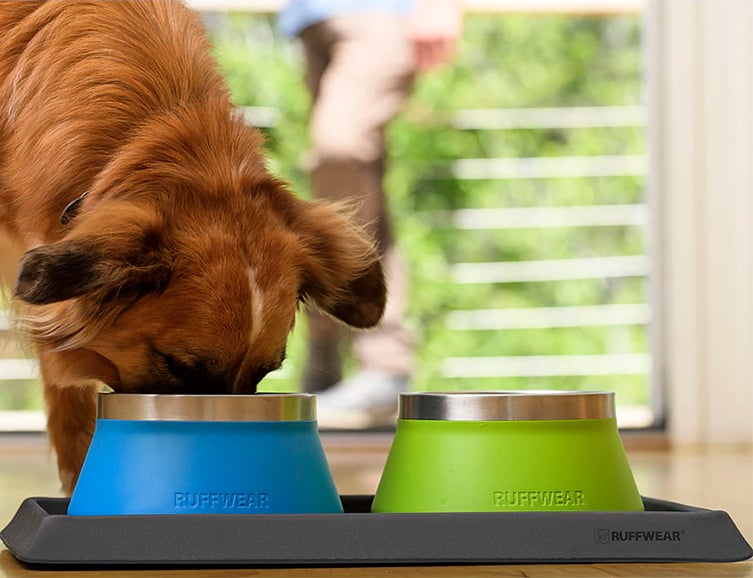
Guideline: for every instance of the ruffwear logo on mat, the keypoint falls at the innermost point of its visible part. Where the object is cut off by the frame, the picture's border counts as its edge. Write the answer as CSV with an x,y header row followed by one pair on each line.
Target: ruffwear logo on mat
x,y
608,536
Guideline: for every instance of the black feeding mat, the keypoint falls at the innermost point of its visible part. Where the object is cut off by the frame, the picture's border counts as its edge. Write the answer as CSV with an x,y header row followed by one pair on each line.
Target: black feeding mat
x,y
42,534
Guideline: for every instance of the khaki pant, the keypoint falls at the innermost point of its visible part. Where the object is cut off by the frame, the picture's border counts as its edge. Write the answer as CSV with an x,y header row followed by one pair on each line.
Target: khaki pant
x,y
360,72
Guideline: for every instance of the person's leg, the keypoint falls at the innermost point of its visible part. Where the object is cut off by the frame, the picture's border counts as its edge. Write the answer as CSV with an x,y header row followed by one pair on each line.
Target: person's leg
x,y
324,363
366,80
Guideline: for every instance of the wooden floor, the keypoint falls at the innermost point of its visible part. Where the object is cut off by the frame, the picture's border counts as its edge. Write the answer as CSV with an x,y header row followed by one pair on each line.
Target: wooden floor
x,y
721,478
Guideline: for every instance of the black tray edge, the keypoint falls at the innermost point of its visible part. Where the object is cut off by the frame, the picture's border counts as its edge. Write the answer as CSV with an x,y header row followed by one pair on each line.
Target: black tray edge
x,y
40,534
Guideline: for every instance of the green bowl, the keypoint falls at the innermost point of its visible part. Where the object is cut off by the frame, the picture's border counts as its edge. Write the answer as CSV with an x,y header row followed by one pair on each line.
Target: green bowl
x,y
507,452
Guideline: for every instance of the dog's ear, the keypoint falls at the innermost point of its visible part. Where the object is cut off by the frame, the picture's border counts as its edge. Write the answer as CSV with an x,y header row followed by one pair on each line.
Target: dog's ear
x,y
57,272
103,258
66,270
342,273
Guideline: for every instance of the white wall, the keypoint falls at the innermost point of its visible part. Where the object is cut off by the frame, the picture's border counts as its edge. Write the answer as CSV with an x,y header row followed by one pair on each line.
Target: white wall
x,y
701,112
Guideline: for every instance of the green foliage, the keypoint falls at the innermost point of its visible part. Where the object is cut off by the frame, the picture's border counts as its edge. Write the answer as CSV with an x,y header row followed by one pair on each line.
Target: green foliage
x,y
20,395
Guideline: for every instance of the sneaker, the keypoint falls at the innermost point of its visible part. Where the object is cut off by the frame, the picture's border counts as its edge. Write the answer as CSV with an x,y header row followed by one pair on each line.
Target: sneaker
x,y
367,399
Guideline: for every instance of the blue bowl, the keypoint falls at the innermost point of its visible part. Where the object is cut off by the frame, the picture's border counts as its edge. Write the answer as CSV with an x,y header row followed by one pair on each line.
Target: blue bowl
x,y
191,454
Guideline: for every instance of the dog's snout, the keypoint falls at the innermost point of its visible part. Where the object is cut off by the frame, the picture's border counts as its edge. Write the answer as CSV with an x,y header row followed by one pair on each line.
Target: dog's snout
x,y
188,374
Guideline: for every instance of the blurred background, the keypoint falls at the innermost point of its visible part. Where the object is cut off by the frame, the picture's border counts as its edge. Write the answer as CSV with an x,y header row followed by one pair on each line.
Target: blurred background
x,y
550,193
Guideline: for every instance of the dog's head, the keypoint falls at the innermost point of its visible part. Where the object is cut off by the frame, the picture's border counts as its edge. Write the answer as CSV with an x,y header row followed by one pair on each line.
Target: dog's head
x,y
194,288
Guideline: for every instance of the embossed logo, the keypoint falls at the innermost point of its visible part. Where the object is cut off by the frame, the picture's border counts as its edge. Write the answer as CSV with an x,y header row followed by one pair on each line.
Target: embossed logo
x,y
221,500
538,498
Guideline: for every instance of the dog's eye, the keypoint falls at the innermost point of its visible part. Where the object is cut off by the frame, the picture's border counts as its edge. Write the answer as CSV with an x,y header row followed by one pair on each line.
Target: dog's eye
x,y
72,209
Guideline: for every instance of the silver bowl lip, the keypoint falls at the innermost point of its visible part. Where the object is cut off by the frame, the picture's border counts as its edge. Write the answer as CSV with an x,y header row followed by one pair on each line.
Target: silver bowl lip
x,y
262,407
506,405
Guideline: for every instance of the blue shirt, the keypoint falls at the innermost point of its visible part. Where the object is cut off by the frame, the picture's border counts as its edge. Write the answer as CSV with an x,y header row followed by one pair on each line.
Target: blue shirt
x,y
300,14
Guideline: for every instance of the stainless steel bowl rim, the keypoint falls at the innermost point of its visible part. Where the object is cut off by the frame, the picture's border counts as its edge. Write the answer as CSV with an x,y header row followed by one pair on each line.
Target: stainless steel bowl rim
x,y
523,405
265,407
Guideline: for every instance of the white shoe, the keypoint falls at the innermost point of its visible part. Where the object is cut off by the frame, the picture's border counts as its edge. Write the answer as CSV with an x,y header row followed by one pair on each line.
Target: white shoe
x,y
367,399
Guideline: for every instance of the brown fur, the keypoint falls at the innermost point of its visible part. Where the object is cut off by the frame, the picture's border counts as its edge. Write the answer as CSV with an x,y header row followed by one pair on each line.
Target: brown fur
x,y
183,269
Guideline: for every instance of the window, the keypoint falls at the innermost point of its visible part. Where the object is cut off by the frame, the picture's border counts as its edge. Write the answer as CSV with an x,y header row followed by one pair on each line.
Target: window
x,y
588,224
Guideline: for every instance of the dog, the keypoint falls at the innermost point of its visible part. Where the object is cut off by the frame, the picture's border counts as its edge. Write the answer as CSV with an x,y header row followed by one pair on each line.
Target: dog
x,y
161,255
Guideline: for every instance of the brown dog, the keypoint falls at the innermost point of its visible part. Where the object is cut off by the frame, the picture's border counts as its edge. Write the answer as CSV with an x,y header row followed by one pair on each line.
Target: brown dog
x,y
181,268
